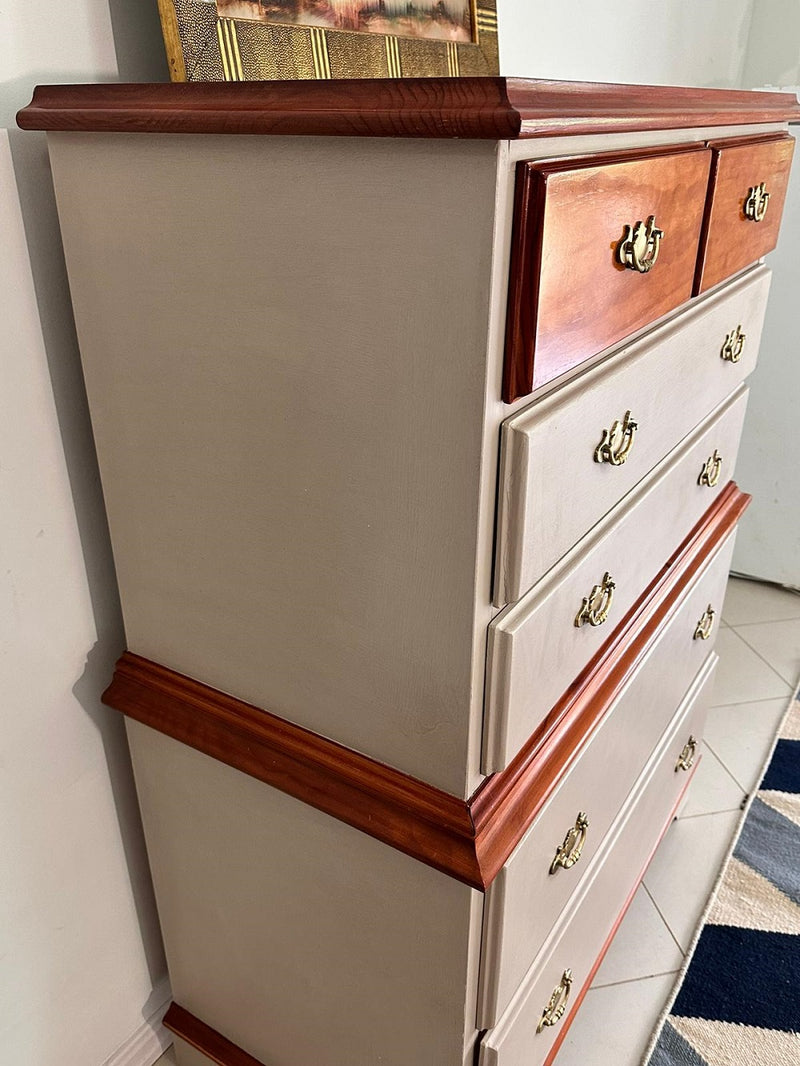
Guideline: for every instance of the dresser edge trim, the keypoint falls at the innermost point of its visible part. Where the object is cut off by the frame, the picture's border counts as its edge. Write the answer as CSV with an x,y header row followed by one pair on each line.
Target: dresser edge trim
x,y
488,108
470,839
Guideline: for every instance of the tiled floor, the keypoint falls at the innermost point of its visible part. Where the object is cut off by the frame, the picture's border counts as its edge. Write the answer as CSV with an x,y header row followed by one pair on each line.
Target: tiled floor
x,y
759,647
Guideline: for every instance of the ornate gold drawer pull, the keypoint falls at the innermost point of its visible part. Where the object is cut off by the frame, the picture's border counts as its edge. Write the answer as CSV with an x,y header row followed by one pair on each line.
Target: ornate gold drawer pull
x,y
686,757
731,350
597,604
616,443
554,1011
712,468
756,203
702,631
568,853
639,247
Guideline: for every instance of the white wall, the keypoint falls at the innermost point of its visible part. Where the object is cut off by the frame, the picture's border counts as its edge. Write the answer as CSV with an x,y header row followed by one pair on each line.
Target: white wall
x,y
773,47
768,545
678,42
82,972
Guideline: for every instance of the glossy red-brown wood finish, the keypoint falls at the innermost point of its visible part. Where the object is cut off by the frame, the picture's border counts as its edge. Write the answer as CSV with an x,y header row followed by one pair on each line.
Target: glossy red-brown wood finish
x,y
494,108
413,817
569,296
212,1044
469,840
731,241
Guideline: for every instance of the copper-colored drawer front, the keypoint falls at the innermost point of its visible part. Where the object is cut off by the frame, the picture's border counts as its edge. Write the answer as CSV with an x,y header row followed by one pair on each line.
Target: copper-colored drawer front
x,y
731,239
569,294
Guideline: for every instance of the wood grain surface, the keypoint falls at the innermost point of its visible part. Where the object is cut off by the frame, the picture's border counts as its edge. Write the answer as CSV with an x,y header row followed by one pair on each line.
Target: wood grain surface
x,y
494,108
207,1040
569,297
468,840
730,240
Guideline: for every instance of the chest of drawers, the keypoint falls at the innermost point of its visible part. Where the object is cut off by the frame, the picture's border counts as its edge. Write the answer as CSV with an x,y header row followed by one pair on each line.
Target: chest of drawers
x,y
416,406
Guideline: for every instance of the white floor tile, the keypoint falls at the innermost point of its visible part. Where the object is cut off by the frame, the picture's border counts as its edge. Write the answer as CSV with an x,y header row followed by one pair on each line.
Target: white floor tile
x,y
713,788
740,735
742,675
750,601
643,946
778,643
614,1024
685,868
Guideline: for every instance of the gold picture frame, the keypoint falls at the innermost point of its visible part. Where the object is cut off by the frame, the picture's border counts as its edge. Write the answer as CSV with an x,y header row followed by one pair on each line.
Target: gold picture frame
x,y
204,45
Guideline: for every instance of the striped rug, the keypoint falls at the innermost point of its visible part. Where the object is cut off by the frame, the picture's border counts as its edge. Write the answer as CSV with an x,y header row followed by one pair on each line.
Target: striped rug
x,y
737,1002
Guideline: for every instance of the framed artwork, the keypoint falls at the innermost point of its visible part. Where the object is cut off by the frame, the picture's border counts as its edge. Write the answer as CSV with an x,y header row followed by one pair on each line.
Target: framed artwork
x,y
260,40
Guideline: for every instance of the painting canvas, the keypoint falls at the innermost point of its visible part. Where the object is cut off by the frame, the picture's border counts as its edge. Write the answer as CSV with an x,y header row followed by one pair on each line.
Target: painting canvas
x,y
446,20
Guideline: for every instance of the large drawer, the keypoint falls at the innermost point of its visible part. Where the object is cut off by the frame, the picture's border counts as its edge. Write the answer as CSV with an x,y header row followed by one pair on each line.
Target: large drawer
x,y
552,489
748,187
626,548
570,293
525,899
579,940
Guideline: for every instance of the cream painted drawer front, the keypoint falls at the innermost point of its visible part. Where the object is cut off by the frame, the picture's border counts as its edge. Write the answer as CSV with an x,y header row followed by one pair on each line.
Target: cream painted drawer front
x,y
525,900
551,488
586,927
631,544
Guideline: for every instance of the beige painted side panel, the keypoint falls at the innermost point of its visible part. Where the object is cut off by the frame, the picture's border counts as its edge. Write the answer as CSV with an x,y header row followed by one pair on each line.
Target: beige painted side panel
x,y
552,490
535,649
186,1055
584,928
298,938
284,344
524,901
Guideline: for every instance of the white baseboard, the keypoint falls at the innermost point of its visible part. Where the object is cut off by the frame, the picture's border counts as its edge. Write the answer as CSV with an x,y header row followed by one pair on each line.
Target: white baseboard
x,y
149,1041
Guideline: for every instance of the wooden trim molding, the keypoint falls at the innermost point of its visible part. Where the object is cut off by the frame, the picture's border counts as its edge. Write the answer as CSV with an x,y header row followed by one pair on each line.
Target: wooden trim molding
x,y
471,839
207,1040
487,108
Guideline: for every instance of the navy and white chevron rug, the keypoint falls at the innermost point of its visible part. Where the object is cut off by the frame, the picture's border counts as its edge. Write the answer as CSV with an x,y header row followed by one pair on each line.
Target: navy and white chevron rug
x,y
738,1000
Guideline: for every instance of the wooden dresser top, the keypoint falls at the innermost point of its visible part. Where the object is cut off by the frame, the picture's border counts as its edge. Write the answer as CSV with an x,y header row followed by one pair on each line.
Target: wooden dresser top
x,y
470,108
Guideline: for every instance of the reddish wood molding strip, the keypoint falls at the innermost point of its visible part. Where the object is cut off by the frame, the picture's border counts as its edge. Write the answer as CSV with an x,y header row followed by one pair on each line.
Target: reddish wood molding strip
x,y
414,817
207,1040
467,839
493,108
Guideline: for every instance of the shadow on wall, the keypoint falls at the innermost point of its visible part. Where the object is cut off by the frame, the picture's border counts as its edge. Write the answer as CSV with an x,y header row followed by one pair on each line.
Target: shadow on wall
x,y
138,43
140,56
37,200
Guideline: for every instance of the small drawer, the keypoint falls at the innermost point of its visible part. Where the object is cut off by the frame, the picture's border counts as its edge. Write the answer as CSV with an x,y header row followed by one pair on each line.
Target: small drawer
x,y
585,929
668,381
601,246
525,899
748,189
610,568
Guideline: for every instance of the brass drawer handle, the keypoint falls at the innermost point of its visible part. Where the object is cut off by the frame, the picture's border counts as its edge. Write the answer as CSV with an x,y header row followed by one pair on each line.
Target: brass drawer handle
x,y
568,853
756,203
639,247
702,631
686,757
554,1011
712,468
731,350
597,604
616,443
